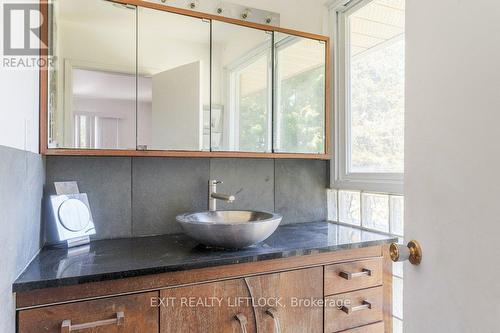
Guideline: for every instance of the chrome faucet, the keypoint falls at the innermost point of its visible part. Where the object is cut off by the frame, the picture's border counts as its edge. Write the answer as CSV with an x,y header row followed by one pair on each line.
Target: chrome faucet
x,y
213,196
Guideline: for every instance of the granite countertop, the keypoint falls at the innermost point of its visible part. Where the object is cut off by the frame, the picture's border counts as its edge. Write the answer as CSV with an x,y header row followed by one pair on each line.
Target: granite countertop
x,y
122,258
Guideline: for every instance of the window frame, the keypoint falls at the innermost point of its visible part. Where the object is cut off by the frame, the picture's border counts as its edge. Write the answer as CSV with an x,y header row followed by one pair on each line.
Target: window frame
x,y
232,74
391,183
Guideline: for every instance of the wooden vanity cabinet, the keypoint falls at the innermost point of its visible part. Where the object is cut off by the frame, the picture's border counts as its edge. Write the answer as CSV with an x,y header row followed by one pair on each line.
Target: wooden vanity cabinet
x,y
296,294
288,295
208,308
261,303
122,314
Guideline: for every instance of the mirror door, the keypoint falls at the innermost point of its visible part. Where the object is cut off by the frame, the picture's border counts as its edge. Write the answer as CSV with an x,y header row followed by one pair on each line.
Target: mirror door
x,y
173,81
137,78
241,88
92,81
300,95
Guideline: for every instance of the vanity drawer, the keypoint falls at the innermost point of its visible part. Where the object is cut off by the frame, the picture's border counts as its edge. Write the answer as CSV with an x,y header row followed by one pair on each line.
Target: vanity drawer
x,y
364,307
341,278
373,328
124,314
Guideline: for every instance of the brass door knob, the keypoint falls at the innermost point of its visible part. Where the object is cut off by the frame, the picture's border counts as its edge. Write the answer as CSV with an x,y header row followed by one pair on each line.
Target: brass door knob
x,y
411,252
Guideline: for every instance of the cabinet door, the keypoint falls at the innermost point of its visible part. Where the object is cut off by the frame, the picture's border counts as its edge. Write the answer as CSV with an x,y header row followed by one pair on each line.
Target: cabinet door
x,y
125,314
219,307
92,80
173,83
288,302
299,95
241,114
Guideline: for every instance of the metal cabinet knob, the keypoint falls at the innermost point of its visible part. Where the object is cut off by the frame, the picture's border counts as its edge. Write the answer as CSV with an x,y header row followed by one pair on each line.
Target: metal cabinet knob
x,y
412,252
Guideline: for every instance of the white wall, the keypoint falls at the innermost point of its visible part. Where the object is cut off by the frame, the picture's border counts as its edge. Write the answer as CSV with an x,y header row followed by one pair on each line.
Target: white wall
x,y
19,109
21,179
124,110
177,111
305,15
452,165
18,102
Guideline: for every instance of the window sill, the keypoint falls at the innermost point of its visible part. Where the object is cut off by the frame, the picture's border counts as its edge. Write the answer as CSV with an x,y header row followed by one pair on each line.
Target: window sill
x,y
376,186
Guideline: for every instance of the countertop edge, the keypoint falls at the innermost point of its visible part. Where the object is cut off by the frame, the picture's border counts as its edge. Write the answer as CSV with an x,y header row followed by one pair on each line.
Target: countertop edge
x,y
20,287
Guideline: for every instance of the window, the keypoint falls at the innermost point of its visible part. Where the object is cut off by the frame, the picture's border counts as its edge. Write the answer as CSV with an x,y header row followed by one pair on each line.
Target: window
x,y
250,80
299,102
92,131
370,80
369,121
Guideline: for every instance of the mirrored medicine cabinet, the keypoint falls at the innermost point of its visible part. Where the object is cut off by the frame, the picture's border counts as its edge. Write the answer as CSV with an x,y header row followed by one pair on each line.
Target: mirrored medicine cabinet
x,y
152,80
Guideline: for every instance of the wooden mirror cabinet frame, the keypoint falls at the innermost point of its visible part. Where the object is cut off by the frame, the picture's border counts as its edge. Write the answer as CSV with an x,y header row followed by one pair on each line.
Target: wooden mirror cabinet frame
x,y
45,150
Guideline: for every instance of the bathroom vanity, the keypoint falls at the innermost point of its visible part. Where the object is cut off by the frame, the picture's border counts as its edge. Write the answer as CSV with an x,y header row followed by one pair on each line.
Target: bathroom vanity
x,y
308,277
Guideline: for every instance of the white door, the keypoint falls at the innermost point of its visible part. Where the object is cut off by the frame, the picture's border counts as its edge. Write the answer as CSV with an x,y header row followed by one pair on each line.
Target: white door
x,y
177,115
452,166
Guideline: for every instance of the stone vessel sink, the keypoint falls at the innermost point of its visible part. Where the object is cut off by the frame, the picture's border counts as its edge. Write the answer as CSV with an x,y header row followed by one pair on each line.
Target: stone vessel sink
x,y
229,229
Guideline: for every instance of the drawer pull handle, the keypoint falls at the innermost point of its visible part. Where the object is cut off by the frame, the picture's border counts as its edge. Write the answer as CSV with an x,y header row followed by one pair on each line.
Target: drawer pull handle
x,y
274,314
350,309
67,327
240,317
350,276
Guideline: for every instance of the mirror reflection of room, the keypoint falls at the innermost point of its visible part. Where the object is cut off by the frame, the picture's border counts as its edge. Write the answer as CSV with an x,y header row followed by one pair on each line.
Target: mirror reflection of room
x,y
242,88
92,101
299,121
135,78
109,97
174,54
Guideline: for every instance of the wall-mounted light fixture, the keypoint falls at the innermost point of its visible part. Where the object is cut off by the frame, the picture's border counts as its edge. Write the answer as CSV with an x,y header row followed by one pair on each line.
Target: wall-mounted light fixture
x,y
226,9
221,9
246,14
193,4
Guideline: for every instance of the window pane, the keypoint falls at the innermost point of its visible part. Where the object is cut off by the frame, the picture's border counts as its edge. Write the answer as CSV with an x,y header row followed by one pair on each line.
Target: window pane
x,y
376,88
376,211
397,215
331,197
253,103
349,207
397,269
300,95
241,88
397,300
397,325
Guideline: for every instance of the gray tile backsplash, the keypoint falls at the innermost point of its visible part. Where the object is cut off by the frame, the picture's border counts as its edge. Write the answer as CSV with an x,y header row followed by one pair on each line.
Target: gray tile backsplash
x,y
300,190
142,195
108,184
163,188
250,180
22,176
